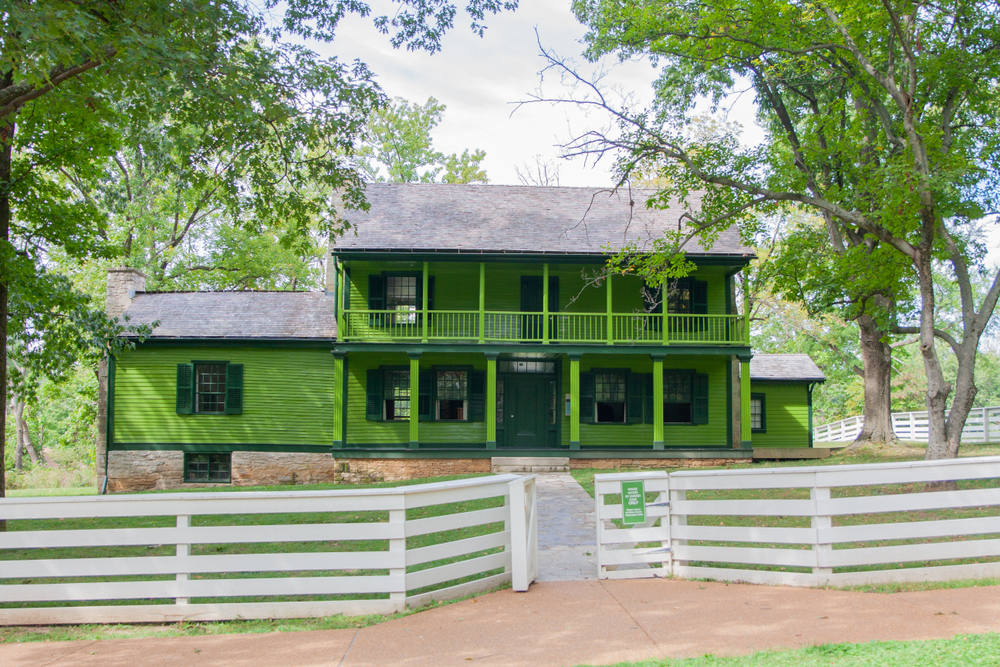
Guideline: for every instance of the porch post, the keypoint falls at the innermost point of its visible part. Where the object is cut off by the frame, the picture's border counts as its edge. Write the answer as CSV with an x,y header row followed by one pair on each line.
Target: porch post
x,y
339,387
545,304
491,400
657,402
338,294
482,302
746,310
745,441
423,306
574,401
611,337
415,393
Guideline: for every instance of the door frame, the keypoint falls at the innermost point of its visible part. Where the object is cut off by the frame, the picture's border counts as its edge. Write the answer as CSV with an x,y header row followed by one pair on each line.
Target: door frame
x,y
503,432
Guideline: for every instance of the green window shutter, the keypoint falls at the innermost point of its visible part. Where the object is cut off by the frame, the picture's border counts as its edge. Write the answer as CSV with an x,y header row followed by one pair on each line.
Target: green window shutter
x,y
699,395
430,293
477,396
635,398
234,389
553,294
587,415
376,292
647,415
426,398
185,389
373,400
699,297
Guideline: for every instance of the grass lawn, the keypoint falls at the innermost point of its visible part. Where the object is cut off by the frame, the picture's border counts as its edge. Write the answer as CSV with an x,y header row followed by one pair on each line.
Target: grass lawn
x,y
962,651
868,455
310,518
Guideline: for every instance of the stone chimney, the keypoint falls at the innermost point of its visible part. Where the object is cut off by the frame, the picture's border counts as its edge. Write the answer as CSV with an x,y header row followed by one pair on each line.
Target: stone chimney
x,y
123,283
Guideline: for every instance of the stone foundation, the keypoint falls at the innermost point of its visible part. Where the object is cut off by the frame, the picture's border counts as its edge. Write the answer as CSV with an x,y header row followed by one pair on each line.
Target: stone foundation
x,y
648,464
130,471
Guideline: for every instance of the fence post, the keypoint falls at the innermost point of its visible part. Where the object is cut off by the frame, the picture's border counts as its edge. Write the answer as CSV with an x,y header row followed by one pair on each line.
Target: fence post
x,y
523,533
676,519
183,552
820,523
397,547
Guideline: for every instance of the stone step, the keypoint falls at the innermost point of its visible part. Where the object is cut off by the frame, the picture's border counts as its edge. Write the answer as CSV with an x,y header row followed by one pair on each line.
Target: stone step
x,y
529,464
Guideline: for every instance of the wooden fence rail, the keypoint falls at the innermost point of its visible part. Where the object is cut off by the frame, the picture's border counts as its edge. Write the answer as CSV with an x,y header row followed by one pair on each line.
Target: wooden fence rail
x,y
45,563
982,425
813,526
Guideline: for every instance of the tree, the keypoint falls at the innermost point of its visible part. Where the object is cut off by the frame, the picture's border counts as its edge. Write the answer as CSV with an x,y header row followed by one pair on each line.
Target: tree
x,y
398,148
71,73
881,119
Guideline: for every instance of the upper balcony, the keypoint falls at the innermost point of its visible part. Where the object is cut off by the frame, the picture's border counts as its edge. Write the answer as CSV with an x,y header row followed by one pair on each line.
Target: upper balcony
x,y
466,326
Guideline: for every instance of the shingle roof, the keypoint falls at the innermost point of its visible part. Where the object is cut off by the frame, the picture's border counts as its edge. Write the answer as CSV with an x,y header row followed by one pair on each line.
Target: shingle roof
x,y
785,367
262,315
425,217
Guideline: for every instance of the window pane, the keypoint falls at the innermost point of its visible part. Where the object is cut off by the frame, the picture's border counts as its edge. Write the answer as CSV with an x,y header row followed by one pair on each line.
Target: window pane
x,y
210,388
401,294
756,414
208,468
396,394
676,388
679,296
610,387
452,385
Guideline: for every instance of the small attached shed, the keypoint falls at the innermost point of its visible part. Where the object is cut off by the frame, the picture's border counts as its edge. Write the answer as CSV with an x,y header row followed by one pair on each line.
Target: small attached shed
x,y
781,422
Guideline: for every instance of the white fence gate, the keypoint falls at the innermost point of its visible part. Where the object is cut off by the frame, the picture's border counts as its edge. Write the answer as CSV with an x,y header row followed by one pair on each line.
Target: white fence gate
x,y
382,577
982,425
619,551
878,529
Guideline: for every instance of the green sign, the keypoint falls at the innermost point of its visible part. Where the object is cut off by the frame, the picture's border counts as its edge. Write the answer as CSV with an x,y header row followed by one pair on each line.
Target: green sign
x,y
633,503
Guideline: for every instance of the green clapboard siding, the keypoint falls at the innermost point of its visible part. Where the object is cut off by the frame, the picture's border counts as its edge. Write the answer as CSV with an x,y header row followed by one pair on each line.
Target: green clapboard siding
x,y
786,412
362,431
287,398
712,434
457,286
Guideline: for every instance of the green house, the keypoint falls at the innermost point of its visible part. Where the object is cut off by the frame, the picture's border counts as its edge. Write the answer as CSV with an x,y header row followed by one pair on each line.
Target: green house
x,y
459,323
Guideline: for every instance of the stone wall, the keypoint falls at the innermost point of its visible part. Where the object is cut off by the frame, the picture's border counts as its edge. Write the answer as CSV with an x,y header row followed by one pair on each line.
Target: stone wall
x,y
648,464
148,470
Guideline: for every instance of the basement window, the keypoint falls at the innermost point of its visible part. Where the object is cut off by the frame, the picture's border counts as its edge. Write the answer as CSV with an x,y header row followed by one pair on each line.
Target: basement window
x,y
208,467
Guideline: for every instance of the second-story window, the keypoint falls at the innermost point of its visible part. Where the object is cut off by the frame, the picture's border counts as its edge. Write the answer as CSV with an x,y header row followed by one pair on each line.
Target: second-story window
x,y
452,394
401,295
609,397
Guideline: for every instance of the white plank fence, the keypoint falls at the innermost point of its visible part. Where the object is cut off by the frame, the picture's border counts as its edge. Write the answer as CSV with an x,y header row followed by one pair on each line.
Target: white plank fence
x,y
620,554
983,425
388,579
704,546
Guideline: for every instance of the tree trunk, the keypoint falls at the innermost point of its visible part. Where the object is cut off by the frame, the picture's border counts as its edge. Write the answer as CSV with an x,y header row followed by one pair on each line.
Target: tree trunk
x,y
22,427
877,357
938,388
6,148
18,435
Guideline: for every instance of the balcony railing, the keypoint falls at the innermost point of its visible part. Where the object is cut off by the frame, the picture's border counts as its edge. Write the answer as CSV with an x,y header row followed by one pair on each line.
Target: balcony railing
x,y
517,327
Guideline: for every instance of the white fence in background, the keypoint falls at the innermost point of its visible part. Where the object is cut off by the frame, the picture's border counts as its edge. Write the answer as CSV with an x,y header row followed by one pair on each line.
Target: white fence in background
x,y
333,573
983,425
824,553
618,553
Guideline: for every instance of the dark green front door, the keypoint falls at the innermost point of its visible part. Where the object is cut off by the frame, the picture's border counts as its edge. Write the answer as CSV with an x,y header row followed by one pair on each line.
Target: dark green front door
x,y
526,405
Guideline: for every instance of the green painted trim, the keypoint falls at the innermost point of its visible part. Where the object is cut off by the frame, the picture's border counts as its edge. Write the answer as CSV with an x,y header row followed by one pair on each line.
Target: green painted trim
x,y
658,444
216,447
746,444
809,405
383,255
569,350
729,401
763,412
666,454
345,380
574,444
327,343
109,417
491,445
805,382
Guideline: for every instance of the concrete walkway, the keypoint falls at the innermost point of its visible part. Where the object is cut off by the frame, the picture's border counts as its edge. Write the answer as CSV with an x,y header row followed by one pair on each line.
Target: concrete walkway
x,y
566,623
567,533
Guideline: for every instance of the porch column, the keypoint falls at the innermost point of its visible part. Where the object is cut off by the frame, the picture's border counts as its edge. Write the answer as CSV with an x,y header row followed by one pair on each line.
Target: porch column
x,y
340,290
545,304
339,397
482,302
611,337
415,394
746,312
574,401
491,400
657,401
745,441
423,306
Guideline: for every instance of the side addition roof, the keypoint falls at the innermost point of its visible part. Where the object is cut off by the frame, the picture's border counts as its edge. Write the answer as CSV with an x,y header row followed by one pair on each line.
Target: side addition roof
x,y
426,217
785,367
248,315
